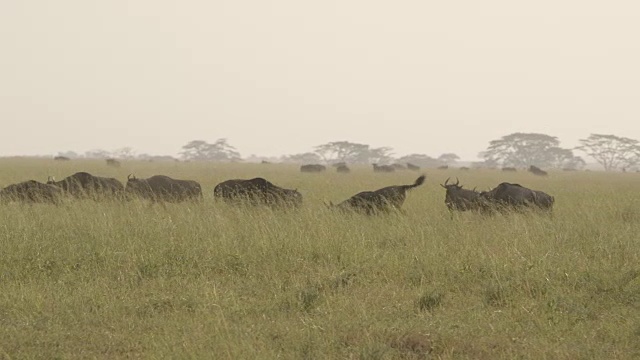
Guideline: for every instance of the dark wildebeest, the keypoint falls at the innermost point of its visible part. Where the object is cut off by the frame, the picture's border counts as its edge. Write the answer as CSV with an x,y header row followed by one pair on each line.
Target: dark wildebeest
x,y
257,191
338,164
113,162
313,168
343,169
510,169
443,167
381,200
460,199
61,158
31,192
507,195
410,166
537,171
83,184
160,188
383,168
265,162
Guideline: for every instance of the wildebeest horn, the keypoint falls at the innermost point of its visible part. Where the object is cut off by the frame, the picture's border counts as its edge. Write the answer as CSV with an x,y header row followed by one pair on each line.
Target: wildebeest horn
x,y
457,181
51,178
131,176
446,181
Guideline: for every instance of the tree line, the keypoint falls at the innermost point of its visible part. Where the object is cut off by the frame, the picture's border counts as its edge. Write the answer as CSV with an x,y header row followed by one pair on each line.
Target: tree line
x,y
514,150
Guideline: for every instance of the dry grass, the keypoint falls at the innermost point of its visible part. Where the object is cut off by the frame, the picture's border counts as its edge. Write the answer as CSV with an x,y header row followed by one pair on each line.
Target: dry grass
x,y
112,280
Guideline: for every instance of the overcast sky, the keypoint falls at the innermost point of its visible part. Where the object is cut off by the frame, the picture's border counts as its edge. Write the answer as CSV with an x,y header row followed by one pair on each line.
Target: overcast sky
x,y
278,77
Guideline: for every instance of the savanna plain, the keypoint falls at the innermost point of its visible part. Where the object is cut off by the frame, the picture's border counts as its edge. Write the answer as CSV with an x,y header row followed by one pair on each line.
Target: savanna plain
x,y
89,279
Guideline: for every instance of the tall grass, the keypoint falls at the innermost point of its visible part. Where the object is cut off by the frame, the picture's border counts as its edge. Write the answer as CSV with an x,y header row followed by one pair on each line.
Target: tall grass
x,y
207,280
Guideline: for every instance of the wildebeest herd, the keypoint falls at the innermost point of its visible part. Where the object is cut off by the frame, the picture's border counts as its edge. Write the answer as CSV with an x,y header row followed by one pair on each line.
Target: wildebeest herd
x,y
259,191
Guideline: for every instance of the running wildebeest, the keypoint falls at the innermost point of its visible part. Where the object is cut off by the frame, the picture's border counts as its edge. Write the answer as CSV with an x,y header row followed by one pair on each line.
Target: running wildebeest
x,y
257,191
507,195
381,200
313,168
410,166
31,192
343,169
113,162
161,188
457,198
383,168
61,158
83,184
537,171
509,169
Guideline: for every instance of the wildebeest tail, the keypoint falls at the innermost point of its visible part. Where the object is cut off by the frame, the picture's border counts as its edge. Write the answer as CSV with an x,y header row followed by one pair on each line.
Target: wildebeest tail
x,y
419,181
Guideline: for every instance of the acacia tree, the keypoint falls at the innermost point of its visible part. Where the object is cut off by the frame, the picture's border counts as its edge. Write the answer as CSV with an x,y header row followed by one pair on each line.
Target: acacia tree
x,y
525,149
341,151
202,150
448,158
304,158
611,151
419,159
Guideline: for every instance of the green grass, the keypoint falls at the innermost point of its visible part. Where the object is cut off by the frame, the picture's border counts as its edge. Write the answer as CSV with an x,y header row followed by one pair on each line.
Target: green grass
x,y
112,280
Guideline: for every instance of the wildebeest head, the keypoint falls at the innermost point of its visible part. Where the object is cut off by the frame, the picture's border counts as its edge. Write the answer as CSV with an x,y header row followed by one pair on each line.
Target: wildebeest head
x,y
457,198
139,187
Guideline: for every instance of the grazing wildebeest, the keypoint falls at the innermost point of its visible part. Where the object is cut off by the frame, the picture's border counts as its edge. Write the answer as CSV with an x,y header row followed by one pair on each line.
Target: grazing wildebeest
x,y
343,169
443,167
257,191
383,168
31,191
457,198
61,158
83,184
381,200
161,188
113,162
509,169
537,171
410,166
313,168
507,195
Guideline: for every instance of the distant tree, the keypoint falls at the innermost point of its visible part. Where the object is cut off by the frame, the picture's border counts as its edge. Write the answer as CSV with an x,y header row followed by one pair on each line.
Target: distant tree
x,y
124,153
565,159
419,159
97,154
610,151
379,155
203,151
69,154
304,158
448,158
522,150
342,151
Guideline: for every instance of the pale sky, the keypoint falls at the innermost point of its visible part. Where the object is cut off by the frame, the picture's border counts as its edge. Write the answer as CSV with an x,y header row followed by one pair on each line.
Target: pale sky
x,y
278,77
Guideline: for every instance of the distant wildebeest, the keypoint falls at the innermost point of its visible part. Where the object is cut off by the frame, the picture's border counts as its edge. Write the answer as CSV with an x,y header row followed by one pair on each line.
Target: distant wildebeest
x,y
161,188
383,168
507,195
457,198
313,168
410,166
338,164
464,168
343,169
443,167
381,200
61,158
83,184
265,162
113,162
509,169
31,191
537,171
257,191
399,166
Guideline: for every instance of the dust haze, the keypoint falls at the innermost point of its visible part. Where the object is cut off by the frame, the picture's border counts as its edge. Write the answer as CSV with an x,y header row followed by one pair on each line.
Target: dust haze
x,y
281,77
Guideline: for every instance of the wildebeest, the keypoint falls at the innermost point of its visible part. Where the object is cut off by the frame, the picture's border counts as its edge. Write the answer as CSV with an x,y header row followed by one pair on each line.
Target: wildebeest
x,y
410,166
381,200
537,171
256,191
31,191
457,198
464,168
161,188
443,167
265,162
507,195
61,158
113,162
338,164
83,184
343,169
383,168
313,168
509,169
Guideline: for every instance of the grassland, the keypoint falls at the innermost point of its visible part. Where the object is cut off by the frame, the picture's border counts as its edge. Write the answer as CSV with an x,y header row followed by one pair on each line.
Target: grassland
x,y
205,280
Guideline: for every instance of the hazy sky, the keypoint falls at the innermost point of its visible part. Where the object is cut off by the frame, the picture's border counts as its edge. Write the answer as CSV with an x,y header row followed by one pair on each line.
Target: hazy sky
x,y
278,77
